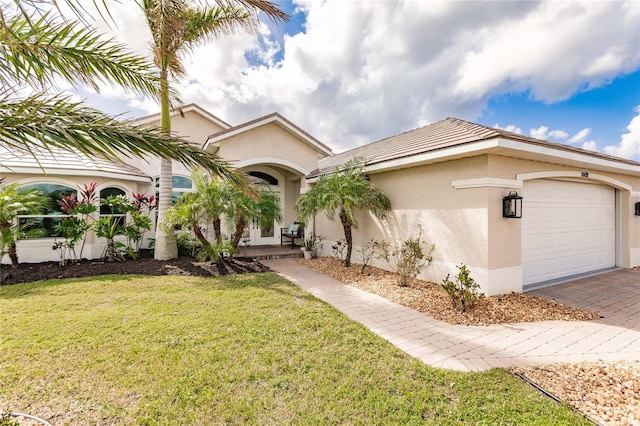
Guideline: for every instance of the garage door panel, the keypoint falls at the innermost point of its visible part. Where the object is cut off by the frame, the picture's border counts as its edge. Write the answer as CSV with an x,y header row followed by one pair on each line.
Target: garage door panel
x,y
568,228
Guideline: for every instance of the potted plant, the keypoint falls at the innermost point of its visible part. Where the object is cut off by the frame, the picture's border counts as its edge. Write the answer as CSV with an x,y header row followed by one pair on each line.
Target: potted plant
x,y
311,245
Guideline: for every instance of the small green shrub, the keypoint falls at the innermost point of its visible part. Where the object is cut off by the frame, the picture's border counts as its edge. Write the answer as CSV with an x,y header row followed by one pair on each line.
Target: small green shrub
x,y
464,292
186,245
409,258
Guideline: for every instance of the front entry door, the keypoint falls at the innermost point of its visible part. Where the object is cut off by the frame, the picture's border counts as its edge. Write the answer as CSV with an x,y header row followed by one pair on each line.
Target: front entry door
x,y
260,236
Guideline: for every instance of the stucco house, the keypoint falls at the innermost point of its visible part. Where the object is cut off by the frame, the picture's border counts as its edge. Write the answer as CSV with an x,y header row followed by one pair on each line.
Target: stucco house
x,y
578,206
450,177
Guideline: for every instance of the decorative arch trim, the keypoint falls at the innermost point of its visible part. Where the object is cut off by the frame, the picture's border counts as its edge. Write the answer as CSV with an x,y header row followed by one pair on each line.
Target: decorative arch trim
x,y
575,174
45,180
271,161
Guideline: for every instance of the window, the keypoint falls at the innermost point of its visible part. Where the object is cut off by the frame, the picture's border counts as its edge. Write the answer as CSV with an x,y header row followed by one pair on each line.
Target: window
x,y
262,178
108,210
179,184
43,225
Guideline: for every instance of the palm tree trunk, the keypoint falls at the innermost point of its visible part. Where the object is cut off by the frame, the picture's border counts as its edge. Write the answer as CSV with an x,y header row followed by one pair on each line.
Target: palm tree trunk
x,y
217,229
166,246
347,236
241,223
13,254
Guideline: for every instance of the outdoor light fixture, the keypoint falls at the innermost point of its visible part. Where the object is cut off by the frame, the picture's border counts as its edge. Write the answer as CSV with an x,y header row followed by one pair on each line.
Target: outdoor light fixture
x,y
638,208
512,205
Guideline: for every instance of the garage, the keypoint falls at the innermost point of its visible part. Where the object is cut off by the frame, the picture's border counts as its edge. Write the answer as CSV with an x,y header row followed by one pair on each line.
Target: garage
x,y
568,229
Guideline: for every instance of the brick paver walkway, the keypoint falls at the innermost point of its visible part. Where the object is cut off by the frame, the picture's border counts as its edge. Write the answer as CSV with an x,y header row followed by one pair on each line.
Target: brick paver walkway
x,y
475,348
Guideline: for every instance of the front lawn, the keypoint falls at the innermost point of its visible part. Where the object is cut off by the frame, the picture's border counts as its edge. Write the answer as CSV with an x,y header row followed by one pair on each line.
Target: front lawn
x,y
234,350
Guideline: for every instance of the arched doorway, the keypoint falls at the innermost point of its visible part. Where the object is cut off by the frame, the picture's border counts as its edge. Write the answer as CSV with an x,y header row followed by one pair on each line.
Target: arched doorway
x,y
257,234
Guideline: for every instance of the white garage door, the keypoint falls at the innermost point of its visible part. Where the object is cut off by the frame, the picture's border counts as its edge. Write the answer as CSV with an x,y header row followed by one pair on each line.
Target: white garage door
x,y
568,229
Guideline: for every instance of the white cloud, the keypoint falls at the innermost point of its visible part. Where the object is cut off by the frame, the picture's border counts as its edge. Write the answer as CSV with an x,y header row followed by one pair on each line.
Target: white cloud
x,y
590,145
540,133
543,132
363,70
509,128
629,146
580,136
558,134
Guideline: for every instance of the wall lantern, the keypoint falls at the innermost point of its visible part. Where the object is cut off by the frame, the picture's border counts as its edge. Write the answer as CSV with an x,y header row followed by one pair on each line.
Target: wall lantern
x,y
638,208
512,205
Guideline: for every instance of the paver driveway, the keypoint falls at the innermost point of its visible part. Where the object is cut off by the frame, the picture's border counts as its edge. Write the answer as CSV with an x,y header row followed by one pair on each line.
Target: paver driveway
x,y
472,348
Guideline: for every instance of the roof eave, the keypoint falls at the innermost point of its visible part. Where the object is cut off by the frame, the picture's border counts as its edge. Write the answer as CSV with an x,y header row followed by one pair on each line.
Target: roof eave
x,y
508,148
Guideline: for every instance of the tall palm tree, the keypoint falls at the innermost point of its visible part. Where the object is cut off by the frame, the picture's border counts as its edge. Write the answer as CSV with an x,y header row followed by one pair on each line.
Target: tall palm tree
x,y
38,47
345,190
177,26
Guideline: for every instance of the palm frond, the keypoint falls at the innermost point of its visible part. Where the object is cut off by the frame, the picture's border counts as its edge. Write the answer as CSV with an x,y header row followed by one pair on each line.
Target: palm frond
x,y
267,7
38,49
42,122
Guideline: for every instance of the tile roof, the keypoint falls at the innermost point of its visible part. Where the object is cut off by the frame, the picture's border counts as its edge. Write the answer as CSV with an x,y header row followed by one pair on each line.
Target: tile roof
x,y
446,133
58,161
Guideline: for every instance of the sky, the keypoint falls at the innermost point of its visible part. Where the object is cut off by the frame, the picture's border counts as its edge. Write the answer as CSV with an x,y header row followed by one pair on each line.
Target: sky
x,y
350,72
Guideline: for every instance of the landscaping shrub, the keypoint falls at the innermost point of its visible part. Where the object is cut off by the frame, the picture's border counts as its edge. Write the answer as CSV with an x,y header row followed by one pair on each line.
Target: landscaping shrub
x,y
464,292
409,258
368,252
339,250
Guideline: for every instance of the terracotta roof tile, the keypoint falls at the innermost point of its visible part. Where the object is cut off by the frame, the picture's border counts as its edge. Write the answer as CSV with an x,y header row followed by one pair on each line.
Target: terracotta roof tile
x,y
446,133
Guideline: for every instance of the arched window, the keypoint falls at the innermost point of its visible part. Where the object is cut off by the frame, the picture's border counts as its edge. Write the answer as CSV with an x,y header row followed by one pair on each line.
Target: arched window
x,y
110,192
115,211
43,225
262,178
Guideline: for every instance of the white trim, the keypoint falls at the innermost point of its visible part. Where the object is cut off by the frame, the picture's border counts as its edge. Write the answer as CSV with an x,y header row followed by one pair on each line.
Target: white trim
x,y
266,161
76,172
44,179
568,155
574,174
267,120
487,182
635,194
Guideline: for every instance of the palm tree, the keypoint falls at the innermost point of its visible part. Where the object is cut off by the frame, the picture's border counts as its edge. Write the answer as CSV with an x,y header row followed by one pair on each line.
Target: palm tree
x,y
244,208
345,190
14,201
39,48
178,26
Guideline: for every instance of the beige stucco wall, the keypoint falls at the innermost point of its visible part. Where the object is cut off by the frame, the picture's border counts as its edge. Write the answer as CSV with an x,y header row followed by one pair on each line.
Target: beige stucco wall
x,y
192,127
466,223
455,221
269,141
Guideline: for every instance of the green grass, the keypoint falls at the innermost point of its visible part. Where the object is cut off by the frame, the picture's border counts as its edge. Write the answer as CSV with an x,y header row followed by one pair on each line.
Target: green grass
x,y
248,349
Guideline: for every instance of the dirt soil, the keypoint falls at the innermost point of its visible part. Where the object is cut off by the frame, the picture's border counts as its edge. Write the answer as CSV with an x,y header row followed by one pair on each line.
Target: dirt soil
x,y
145,265
432,300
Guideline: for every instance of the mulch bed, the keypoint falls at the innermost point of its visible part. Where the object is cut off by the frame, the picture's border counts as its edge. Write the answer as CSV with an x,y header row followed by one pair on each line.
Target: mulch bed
x,y
145,265
431,299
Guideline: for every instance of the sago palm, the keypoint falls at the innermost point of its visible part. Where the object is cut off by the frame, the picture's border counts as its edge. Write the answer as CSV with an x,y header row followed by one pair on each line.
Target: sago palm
x,y
176,27
344,191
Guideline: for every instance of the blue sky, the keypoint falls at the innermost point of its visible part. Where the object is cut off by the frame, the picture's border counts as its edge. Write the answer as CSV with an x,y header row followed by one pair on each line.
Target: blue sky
x,y
353,71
